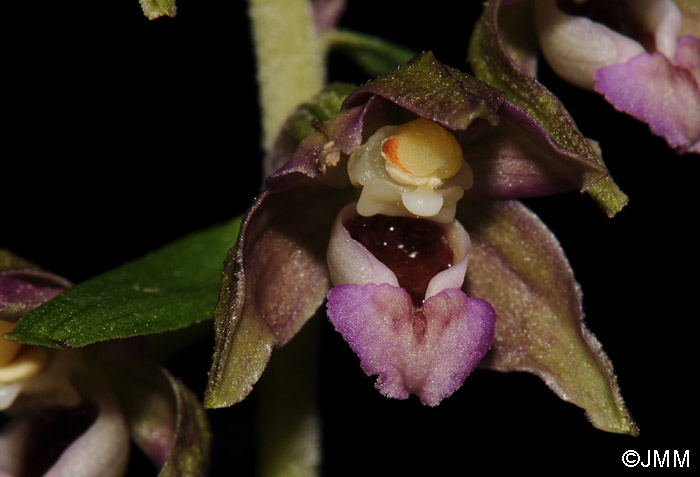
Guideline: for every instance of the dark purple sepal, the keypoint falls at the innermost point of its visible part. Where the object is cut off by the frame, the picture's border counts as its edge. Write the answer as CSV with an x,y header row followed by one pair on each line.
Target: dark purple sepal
x,y
517,265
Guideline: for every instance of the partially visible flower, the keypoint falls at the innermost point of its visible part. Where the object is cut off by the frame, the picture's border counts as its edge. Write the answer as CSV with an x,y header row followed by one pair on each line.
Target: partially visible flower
x,y
391,211
633,53
67,416
63,421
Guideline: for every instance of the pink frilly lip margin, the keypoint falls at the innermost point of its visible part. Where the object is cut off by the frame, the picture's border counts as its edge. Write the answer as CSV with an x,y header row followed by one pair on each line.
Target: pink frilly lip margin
x,y
662,93
427,351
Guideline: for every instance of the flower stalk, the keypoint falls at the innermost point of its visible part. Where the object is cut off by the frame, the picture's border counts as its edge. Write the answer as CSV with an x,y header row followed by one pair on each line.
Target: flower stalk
x,y
289,56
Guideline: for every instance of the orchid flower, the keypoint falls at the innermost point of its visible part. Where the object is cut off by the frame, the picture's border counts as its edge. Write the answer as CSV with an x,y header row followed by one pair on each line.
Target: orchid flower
x,y
65,415
640,55
398,211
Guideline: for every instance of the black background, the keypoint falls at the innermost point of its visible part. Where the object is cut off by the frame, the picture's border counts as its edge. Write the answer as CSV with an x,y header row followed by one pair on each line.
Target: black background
x,y
125,134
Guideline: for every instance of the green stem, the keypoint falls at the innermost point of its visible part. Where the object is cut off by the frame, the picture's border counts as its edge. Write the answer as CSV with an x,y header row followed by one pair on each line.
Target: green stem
x,y
289,428
289,56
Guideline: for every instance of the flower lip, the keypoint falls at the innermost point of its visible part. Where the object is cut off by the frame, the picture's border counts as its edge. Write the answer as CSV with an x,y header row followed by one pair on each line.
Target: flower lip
x,y
420,255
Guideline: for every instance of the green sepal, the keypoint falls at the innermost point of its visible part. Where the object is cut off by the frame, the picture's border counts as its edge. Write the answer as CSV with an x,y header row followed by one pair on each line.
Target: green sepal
x,y
167,289
518,266
435,91
322,107
491,62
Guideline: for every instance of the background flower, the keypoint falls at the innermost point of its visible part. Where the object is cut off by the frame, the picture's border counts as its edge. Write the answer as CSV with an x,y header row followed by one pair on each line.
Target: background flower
x,y
642,56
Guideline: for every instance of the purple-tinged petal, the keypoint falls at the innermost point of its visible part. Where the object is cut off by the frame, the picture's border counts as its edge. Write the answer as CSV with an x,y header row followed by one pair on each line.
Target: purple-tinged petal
x,y
22,290
688,55
327,13
303,122
491,62
103,450
274,280
518,158
165,419
88,434
318,160
519,267
650,88
428,352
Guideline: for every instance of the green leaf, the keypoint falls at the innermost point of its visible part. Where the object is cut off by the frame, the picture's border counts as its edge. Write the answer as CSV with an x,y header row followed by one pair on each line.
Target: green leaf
x,y
165,290
491,62
375,55
157,8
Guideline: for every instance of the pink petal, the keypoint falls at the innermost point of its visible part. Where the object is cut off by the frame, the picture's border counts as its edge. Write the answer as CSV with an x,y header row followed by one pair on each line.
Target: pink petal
x,y
22,290
650,88
428,352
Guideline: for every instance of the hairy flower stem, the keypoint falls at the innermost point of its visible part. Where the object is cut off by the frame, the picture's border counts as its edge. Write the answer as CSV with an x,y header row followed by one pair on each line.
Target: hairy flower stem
x,y
289,55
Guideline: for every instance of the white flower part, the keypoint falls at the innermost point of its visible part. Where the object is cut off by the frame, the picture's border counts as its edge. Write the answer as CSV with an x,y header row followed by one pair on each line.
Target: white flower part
x,y
576,47
389,190
349,261
103,450
663,18
452,277
8,394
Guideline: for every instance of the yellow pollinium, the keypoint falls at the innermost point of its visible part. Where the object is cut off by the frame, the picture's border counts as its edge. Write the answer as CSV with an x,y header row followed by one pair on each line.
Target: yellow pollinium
x,y
18,362
8,349
422,152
